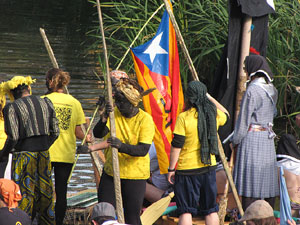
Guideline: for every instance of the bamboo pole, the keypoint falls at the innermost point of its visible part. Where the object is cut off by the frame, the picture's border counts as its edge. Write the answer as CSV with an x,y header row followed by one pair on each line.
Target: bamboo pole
x,y
242,78
181,41
132,43
51,54
115,159
96,163
224,199
195,76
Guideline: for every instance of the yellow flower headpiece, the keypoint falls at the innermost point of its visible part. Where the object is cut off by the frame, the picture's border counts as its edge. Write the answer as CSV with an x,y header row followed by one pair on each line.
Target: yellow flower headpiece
x,y
15,82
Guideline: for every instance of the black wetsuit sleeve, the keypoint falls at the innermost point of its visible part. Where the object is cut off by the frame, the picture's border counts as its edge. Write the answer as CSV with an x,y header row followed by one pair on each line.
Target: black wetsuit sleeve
x,y
140,149
178,141
100,129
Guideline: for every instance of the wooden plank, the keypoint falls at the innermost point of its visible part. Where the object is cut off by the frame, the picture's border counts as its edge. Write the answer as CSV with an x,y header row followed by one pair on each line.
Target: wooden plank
x,y
168,220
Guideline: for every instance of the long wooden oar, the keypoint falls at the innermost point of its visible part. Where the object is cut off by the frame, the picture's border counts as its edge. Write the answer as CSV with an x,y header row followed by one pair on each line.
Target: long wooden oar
x,y
96,160
119,202
195,76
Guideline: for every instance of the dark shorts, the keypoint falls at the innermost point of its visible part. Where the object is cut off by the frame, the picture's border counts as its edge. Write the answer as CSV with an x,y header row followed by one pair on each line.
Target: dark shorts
x,y
196,194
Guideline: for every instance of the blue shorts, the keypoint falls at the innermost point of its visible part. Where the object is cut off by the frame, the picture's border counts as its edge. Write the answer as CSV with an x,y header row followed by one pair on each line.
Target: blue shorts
x,y
196,194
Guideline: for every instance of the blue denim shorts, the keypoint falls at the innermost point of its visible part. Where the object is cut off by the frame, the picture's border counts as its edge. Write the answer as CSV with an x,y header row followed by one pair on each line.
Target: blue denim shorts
x,y
196,194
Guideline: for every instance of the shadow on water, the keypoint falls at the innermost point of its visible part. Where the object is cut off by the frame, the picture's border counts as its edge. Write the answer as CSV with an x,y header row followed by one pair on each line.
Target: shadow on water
x,y
22,52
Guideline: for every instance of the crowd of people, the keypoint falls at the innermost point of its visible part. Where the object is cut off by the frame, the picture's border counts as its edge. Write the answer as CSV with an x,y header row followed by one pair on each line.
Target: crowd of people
x,y
38,135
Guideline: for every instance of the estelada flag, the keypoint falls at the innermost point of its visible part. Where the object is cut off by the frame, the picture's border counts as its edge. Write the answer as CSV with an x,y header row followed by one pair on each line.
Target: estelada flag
x,y
157,66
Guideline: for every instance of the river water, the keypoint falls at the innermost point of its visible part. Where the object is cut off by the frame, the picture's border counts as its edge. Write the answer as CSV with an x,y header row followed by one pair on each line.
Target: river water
x,y
22,52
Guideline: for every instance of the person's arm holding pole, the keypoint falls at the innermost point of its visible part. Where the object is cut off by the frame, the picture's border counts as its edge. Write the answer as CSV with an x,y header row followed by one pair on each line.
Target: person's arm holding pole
x,y
119,203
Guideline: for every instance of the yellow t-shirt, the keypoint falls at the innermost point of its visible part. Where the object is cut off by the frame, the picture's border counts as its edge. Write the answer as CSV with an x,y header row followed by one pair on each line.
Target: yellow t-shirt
x,y
139,128
186,125
70,114
3,135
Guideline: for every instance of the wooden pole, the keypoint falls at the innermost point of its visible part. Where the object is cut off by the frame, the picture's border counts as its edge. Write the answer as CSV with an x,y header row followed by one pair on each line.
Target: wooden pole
x,y
119,203
229,176
195,76
242,78
224,199
49,49
181,41
51,54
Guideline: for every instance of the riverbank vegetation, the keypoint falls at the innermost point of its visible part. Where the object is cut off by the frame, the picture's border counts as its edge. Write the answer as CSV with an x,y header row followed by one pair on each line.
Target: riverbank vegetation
x,y
204,27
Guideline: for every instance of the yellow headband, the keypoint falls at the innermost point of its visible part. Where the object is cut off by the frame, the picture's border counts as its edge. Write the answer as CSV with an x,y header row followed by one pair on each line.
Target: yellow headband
x,y
15,82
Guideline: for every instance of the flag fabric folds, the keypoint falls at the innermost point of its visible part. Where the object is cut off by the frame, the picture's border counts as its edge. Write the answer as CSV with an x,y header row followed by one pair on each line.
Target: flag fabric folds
x,y
157,66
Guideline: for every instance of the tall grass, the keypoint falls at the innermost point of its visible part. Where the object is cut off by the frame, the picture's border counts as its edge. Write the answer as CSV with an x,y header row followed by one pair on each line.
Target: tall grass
x,y
204,27
284,56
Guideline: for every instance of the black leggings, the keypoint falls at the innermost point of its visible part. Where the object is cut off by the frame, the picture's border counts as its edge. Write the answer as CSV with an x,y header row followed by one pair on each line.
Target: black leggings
x,y
246,201
132,195
61,174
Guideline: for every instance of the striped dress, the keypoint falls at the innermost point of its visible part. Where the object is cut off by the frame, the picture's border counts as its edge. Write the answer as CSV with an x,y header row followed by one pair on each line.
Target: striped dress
x,y
31,126
255,171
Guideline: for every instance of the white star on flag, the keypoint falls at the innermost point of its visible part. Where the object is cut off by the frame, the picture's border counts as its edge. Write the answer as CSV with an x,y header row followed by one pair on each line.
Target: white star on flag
x,y
271,3
154,48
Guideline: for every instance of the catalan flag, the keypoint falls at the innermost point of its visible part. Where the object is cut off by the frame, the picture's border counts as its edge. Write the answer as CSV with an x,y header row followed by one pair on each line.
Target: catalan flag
x,y
157,66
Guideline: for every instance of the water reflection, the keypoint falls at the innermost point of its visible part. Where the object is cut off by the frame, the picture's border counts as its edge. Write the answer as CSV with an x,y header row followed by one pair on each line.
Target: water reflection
x,y
22,52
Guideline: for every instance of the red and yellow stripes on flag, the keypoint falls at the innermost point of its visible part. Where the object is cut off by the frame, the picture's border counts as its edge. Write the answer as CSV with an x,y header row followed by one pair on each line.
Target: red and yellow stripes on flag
x,y
166,102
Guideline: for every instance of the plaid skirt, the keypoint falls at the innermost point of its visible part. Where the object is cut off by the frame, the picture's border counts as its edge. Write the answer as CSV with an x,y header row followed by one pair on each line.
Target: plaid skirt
x,y
255,172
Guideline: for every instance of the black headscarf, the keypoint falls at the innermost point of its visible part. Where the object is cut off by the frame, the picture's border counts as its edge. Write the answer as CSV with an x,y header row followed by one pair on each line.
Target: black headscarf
x,y
207,128
257,63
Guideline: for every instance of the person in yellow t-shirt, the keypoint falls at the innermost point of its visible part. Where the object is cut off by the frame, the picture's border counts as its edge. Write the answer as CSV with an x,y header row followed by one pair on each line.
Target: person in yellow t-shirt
x,y
62,153
2,104
194,146
134,134
3,135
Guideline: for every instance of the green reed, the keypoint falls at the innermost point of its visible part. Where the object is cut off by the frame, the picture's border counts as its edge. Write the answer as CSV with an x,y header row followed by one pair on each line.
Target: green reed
x,y
204,27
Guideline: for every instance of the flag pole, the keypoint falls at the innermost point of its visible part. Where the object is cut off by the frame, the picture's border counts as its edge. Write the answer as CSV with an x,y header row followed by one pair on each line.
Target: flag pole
x,y
132,43
195,76
181,41
115,159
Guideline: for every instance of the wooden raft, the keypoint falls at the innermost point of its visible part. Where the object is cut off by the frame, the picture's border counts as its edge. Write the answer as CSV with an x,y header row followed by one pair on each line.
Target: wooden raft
x,y
167,220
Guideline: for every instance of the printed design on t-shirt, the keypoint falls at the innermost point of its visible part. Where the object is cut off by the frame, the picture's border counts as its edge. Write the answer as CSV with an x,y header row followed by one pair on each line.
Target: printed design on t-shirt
x,y
63,114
